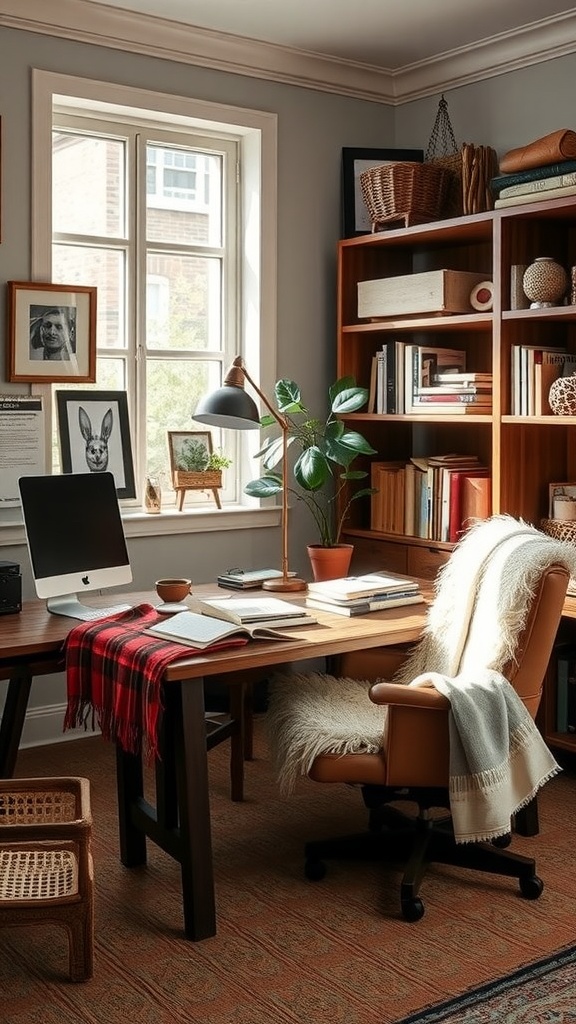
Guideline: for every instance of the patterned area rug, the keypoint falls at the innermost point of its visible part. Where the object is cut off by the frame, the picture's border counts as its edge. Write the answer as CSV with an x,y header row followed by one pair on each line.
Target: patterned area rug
x,y
291,951
544,993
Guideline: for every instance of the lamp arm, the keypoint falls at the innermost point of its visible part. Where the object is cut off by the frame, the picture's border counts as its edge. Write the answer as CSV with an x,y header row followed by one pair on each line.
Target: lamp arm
x,y
238,364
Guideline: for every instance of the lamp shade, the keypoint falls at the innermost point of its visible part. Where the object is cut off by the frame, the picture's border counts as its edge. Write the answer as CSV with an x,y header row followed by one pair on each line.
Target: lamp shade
x,y
228,406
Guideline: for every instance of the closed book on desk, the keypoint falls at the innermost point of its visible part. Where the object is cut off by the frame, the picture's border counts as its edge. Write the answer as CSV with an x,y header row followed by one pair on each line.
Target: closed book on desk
x,y
201,631
359,586
364,607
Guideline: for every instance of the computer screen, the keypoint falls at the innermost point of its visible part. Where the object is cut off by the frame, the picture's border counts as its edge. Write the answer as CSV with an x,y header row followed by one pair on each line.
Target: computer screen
x,y
75,537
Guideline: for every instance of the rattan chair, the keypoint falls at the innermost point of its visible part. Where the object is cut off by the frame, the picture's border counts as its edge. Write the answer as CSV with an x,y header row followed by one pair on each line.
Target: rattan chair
x,y
46,870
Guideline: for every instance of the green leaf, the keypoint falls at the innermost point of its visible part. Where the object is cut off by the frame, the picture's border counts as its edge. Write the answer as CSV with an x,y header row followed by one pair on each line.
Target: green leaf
x,y
349,400
342,384
311,469
345,448
288,398
264,487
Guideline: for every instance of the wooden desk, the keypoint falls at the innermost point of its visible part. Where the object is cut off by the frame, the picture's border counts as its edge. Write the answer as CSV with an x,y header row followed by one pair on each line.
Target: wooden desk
x,y
31,644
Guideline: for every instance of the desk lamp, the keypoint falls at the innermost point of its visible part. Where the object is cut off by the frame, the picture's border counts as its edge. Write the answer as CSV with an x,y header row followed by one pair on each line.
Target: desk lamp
x,y
230,406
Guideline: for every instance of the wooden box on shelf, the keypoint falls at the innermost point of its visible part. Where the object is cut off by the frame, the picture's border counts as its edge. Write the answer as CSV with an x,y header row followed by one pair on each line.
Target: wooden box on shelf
x,y
434,291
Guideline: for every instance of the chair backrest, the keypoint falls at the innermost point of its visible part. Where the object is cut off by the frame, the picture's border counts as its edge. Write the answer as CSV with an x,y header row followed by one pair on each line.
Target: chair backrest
x,y
526,670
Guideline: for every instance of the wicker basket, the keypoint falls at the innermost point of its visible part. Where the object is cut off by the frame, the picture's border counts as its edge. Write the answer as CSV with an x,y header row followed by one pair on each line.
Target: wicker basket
x,y
403,191
560,529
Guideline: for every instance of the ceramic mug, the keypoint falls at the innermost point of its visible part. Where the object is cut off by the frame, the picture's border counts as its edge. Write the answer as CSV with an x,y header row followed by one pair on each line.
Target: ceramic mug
x,y
173,589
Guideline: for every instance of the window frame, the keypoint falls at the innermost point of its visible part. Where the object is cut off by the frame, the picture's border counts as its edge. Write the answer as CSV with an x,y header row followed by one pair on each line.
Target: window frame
x,y
257,132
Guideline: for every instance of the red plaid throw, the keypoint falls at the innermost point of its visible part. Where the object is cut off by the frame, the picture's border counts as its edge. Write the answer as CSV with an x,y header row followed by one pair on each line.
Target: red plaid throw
x,y
114,671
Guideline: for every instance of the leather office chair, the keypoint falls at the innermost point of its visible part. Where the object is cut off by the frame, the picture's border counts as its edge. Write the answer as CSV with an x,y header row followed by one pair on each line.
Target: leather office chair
x,y
46,873
413,763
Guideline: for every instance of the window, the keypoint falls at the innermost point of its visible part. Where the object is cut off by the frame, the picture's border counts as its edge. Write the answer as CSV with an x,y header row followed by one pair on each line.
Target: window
x,y
168,206
162,252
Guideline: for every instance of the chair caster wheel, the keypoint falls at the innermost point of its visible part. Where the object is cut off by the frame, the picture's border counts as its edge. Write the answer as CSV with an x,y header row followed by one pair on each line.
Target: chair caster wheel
x,y
412,910
531,888
314,869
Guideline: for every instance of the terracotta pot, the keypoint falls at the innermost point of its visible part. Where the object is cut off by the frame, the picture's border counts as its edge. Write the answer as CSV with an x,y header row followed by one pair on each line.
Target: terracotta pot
x,y
330,563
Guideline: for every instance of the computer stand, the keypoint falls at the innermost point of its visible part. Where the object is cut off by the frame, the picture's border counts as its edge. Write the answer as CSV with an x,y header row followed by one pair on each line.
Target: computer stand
x,y
68,604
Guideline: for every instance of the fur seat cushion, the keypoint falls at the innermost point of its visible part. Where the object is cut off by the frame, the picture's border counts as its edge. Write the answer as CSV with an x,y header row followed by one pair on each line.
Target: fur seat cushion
x,y
330,713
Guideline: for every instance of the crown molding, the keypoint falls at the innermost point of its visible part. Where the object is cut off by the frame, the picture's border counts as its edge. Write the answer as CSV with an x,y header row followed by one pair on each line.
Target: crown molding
x,y
169,40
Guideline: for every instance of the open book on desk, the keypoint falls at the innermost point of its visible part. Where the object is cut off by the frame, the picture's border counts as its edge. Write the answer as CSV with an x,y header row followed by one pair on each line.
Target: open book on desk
x,y
268,611
199,631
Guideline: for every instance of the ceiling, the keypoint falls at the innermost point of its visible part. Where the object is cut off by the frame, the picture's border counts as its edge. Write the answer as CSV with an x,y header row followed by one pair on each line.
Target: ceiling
x,y
387,34
388,51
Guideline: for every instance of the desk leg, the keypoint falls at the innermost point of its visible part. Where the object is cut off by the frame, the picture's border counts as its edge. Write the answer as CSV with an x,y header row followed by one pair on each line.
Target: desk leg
x,y
130,785
13,721
185,720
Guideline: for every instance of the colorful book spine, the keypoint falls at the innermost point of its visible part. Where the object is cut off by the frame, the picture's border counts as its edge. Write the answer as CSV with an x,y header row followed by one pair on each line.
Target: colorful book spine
x,y
531,174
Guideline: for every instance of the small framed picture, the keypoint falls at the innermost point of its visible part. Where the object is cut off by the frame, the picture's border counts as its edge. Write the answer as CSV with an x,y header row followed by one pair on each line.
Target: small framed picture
x,y
51,333
95,436
190,450
562,501
355,217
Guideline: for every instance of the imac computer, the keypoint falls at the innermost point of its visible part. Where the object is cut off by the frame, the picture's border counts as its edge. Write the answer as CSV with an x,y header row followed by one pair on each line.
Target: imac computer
x,y
75,539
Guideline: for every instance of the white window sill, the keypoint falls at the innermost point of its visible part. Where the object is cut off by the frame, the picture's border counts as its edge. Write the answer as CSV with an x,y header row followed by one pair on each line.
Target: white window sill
x,y
142,524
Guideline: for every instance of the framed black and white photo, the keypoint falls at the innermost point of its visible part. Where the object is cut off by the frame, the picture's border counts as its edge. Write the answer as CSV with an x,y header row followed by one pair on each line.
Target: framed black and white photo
x,y
94,435
355,217
51,333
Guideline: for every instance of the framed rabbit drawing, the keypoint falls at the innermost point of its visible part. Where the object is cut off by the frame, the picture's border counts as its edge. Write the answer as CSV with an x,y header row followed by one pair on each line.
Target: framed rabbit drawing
x,y
94,433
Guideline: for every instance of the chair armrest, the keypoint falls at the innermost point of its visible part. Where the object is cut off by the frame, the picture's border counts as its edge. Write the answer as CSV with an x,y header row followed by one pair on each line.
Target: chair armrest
x,y
409,696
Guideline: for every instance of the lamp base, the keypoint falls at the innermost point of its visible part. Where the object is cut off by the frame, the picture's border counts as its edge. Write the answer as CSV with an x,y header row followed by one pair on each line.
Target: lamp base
x,y
292,584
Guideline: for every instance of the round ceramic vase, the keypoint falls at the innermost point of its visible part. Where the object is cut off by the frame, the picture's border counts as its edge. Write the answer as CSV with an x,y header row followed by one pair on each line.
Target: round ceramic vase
x,y
545,282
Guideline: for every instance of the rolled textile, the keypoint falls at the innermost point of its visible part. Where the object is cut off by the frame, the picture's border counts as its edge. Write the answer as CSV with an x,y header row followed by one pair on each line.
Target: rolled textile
x,y
559,145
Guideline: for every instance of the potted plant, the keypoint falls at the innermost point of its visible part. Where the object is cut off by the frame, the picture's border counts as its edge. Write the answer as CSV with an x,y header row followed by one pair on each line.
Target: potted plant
x,y
322,469
195,466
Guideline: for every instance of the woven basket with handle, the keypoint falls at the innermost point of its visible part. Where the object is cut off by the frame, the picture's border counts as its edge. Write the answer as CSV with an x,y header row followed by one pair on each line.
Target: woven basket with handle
x,y
403,191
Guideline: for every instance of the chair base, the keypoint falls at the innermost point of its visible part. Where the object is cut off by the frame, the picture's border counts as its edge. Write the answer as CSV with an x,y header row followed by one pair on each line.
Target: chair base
x,y
415,843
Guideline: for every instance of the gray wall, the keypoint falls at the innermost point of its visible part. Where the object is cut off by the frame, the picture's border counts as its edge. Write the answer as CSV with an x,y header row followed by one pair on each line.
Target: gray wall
x,y
312,129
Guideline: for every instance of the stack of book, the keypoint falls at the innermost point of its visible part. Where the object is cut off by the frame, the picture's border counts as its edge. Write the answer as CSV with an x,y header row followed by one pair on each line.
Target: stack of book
x,y
359,595
454,392
551,181
533,370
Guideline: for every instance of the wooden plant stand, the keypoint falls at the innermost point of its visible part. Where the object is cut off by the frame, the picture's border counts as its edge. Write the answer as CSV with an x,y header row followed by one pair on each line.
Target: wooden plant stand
x,y
211,480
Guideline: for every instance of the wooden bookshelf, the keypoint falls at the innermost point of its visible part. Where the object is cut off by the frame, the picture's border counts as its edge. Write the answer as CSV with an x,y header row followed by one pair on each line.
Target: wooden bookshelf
x,y
524,453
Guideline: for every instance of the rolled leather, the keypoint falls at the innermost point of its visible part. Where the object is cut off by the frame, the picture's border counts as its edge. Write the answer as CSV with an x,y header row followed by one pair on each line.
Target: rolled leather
x,y
559,145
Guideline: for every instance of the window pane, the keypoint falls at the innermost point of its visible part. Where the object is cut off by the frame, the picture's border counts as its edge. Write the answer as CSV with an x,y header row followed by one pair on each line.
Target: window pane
x,y
183,196
105,268
88,185
174,388
183,302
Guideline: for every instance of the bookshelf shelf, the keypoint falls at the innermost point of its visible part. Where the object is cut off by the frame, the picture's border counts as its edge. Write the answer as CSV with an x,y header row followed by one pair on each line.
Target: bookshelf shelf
x,y
524,453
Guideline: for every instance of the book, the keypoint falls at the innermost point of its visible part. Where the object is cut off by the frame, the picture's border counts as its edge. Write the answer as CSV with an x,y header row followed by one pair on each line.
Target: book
x,y
361,586
455,389
350,602
244,579
476,499
560,192
202,631
539,185
270,611
365,607
428,396
466,378
456,487
501,181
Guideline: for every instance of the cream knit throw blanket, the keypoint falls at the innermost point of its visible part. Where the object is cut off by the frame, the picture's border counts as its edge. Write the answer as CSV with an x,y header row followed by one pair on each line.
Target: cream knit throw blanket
x,y
498,759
